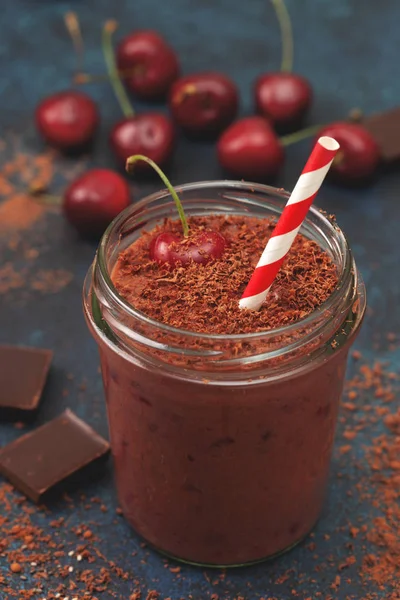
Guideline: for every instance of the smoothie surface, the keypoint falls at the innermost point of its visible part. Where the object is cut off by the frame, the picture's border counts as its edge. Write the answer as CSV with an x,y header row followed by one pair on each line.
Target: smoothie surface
x,y
204,298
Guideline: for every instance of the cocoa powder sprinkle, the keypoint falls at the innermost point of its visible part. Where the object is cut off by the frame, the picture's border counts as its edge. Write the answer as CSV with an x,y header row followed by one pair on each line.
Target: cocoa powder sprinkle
x,y
204,298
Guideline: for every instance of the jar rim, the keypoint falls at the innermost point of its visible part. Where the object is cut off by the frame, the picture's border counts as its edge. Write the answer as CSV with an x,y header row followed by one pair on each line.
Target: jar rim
x,y
344,276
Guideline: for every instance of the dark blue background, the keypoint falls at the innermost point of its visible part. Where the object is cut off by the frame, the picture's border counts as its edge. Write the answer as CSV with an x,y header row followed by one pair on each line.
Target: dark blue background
x,y
349,51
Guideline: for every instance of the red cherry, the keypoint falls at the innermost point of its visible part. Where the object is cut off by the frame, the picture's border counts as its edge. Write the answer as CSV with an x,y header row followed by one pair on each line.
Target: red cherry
x,y
153,63
250,149
284,98
359,155
92,201
199,248
204,103
67,120
151,134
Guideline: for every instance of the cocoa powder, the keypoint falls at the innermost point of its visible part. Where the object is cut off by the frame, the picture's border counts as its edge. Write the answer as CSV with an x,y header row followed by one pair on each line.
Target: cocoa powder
x,y
22,229
18,211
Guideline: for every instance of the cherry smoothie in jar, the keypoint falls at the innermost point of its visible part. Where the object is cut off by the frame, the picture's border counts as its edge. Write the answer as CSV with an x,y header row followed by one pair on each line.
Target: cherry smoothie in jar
x,y
222,420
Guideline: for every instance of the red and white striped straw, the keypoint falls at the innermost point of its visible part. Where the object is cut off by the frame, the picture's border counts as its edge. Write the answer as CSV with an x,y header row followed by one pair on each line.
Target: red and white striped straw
x,y
289,223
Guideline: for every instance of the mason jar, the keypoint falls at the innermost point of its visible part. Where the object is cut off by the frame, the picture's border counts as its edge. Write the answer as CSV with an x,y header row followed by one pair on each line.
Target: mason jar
x,y
221,455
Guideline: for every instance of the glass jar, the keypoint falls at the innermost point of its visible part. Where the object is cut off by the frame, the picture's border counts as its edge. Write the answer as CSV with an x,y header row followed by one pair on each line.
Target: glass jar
x,y
221,458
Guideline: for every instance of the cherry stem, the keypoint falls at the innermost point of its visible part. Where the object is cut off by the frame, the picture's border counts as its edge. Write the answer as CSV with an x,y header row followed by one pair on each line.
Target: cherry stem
x,y
285,25
339,158
72,24
130,167
82,77
297,136
355,115
46,199
109,57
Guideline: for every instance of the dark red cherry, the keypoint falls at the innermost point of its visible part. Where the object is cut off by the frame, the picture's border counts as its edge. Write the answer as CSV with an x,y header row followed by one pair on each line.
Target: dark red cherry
x,y
94,199
250,149
67,120
151,134
198,247
204,103
359,155
284,98
148,64
173,249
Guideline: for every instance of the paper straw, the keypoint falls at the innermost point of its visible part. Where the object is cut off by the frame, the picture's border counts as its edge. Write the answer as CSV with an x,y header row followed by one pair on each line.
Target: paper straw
x,y
289,223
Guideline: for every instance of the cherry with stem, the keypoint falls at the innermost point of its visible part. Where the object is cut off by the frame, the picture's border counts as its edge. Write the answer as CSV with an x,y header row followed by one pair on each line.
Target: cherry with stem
x,y
91,201
68,120
251,149
203,104
359,156
147,64
148,133
171,249
283,97
150,62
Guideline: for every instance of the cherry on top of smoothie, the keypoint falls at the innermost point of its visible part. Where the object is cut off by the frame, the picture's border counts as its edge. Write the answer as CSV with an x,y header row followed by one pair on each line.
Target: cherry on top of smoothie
x,y
204,298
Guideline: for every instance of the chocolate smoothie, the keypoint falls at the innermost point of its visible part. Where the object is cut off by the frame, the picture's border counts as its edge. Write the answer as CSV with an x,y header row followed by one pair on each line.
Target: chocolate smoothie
x,y
224,460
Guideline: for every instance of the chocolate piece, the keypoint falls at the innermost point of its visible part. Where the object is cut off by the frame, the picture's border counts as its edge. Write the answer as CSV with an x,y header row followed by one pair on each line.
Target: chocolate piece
x,y
23,373
38,461
385,128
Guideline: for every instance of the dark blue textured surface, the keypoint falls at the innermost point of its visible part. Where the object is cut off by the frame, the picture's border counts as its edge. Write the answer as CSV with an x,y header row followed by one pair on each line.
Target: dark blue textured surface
x,y
348,50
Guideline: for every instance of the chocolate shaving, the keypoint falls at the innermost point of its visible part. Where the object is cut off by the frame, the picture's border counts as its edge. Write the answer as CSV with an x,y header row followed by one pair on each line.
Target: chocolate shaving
x,y
204,298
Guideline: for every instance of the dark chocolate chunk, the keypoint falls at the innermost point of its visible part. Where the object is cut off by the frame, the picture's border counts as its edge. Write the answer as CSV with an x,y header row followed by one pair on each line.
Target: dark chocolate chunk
x,y
385,129
40,460
23,373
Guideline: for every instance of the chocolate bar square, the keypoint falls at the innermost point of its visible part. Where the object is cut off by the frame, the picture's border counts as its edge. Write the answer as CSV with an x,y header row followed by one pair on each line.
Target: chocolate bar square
x,y
40,460
23,374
